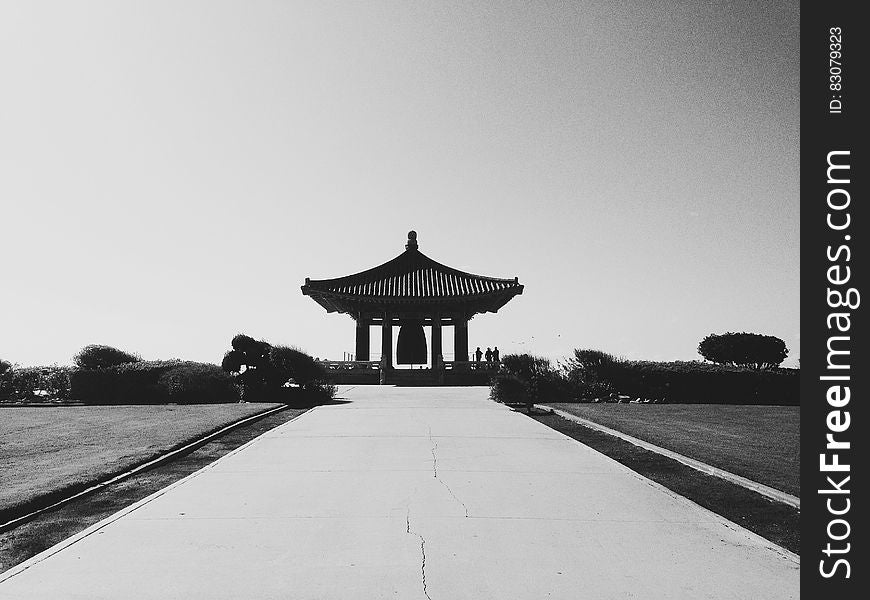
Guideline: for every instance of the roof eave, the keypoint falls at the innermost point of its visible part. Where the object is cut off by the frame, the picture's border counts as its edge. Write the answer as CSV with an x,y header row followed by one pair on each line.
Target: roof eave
x,y
488,302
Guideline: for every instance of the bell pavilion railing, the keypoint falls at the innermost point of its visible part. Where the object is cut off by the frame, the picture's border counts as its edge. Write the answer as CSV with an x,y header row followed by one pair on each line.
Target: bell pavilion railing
x,y
351,365
374,365
469,365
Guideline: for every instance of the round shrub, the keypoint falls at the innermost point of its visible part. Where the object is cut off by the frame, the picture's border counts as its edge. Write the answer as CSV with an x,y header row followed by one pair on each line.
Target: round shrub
x,y
198,383
267,373
291,364
507,388
589,374
526,379
97,356
4,366
526,366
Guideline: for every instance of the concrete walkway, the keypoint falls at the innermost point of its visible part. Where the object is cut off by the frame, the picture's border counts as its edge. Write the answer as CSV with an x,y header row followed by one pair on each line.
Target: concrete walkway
x,y
411,493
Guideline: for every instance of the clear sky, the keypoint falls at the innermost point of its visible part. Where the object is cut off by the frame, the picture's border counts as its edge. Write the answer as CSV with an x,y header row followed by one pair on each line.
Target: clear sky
x,y
171,171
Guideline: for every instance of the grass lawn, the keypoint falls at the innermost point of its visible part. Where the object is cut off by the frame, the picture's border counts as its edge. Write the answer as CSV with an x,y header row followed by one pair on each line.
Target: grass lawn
x,y
761,443
44,451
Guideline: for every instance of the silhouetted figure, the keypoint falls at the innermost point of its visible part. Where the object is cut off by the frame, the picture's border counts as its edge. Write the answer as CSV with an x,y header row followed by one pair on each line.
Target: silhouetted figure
x,y
495,354
478,355
488,355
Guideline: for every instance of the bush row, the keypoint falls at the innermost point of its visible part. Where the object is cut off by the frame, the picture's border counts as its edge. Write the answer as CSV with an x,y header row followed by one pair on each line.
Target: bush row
x,y
253,369
140,382
591,375
686,383
30,384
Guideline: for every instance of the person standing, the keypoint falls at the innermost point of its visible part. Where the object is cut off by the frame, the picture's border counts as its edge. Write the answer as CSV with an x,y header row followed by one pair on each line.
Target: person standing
x,y
495,355
488,355
478,355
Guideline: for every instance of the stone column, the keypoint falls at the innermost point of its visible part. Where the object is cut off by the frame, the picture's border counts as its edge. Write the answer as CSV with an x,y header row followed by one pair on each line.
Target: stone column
x,y
362,339
460,340
386,346
436,342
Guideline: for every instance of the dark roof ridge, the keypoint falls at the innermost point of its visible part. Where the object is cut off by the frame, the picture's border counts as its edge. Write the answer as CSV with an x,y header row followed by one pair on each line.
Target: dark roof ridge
x,y
407,256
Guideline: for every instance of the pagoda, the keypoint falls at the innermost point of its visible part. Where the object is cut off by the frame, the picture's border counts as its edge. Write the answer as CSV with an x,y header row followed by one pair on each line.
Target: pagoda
x,y
412,291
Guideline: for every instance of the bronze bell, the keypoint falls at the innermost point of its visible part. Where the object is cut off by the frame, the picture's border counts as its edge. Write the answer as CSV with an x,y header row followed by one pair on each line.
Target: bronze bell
x,y
411,345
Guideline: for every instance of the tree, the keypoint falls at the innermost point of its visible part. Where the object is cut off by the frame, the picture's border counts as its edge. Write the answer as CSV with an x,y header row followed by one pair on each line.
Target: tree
x,y
751,350
249,363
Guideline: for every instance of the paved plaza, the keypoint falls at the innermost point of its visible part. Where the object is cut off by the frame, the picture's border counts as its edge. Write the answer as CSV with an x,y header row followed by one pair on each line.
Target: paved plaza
x,y
432,493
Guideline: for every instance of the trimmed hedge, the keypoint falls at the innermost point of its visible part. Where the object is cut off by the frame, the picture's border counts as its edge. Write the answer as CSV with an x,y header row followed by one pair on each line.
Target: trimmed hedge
x,y
198,383
154,382
597,375
697,383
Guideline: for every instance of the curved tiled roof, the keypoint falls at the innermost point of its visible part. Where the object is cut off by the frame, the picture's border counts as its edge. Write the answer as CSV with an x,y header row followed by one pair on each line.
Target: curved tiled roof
x,y
412,276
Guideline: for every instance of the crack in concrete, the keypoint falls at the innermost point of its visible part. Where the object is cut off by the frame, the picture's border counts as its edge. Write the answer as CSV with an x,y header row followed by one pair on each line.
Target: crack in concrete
x,y
422,552
434,456
435,473
465,508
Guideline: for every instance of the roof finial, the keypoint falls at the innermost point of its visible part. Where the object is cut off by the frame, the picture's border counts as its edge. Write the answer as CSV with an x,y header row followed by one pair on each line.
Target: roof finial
x,y
412,241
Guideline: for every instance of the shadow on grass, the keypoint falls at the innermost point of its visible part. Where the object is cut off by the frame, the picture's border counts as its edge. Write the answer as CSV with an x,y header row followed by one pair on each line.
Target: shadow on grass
x,y
522,409
312,404
336,401
295,397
